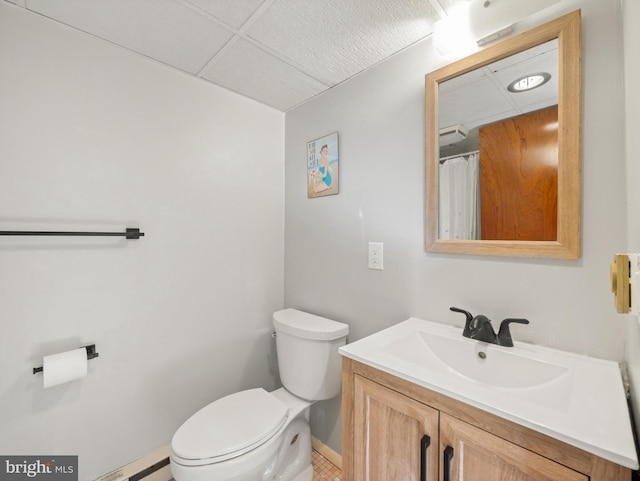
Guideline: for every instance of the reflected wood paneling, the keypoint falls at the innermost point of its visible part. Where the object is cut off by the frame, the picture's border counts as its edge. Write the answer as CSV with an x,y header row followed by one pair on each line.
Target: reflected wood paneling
x,y
519,177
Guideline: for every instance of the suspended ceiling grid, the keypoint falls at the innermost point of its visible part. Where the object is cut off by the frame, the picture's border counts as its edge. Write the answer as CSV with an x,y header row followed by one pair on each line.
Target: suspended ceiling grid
x,y
278,52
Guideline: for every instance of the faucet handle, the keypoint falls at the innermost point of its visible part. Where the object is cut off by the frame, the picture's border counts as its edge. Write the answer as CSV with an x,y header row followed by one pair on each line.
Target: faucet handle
x,y
504,334
468,321
457,309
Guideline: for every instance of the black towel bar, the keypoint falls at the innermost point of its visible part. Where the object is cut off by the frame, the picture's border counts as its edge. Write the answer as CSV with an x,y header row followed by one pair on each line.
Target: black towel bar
x,y
131,233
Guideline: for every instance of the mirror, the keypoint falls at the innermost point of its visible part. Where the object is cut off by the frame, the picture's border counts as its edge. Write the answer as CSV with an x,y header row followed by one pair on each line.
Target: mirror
x,y
503,165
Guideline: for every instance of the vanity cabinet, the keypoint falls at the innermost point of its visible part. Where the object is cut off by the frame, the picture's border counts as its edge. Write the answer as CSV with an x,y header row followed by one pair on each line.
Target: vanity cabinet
x,y
395,437
473,454
395,430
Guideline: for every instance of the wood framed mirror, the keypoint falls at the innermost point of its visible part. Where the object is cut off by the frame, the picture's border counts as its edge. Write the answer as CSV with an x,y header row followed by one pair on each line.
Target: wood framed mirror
x,y
521,150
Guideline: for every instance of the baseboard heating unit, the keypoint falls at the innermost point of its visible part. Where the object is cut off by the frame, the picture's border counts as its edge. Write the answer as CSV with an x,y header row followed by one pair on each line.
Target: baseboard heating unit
x,y
151,467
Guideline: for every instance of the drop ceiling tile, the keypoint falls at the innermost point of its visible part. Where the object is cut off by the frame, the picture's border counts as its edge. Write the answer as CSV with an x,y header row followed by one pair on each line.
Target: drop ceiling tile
x,y
335,39
548,49
543,58
542,63
461,81
233,13
481,96
164,30
470,105
248,70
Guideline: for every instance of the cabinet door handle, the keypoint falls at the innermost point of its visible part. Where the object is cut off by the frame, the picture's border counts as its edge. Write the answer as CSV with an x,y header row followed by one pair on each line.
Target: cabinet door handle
x,y
448,456
425,442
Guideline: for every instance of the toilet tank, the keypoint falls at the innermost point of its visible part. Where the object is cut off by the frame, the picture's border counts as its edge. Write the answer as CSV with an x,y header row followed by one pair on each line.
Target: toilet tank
x,y
308,359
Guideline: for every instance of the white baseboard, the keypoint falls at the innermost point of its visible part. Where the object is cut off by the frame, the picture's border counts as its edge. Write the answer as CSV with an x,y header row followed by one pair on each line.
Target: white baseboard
x,y
326,451
142,469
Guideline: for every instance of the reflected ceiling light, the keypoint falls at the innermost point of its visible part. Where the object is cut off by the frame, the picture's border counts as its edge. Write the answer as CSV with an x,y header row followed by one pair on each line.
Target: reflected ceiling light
x,y
529,82
551,126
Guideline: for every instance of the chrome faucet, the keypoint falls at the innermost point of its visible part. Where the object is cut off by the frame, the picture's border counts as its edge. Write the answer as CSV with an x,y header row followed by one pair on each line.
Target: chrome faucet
x,y
480,328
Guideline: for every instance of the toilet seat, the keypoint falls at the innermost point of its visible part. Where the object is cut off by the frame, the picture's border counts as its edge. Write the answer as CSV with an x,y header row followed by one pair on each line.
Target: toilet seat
x,y
229,427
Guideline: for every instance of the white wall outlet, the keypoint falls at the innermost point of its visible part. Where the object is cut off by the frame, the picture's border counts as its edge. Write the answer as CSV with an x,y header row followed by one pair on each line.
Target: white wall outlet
x,y
375,255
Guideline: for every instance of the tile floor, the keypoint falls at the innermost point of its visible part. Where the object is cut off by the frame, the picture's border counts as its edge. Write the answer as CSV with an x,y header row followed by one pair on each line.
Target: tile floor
x,y
323,469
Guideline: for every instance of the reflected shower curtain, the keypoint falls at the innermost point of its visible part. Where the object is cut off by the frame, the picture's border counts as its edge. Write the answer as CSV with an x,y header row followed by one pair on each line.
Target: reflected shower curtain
x,y
459,198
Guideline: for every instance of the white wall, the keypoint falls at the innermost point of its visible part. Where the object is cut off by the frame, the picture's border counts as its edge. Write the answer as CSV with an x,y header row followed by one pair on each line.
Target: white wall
x,y
94,137
380,119
631,18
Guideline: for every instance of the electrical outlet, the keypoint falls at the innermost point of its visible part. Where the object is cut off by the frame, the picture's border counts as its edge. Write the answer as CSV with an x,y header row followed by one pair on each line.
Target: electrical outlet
x,y
375,255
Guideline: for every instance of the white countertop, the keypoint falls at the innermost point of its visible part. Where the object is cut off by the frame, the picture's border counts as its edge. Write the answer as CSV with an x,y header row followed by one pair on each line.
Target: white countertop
x,y
586,407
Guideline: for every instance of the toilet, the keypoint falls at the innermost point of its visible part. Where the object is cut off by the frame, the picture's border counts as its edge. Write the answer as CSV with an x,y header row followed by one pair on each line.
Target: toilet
x,y
255,435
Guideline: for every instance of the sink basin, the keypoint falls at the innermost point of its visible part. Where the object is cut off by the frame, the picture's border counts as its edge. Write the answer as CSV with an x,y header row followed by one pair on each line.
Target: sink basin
x,y
478,361
577,399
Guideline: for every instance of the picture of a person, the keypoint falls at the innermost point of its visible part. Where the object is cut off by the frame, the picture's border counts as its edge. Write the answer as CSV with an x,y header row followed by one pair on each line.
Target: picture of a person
x,y
322,176
323,170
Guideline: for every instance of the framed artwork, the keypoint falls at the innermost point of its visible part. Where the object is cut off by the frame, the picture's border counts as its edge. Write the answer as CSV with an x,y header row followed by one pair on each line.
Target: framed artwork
x,y
322,166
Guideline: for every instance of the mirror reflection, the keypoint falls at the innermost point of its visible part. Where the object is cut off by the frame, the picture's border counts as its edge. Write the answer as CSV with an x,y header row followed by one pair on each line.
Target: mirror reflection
x,y
498,149
518,148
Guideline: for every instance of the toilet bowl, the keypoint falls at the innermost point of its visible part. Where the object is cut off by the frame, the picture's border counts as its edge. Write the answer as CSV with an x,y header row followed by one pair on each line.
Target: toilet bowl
x,y
255,435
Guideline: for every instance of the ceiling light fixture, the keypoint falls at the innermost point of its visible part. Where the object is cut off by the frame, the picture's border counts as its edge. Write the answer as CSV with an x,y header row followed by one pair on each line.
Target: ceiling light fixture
x,y
451,34
493,19
529,82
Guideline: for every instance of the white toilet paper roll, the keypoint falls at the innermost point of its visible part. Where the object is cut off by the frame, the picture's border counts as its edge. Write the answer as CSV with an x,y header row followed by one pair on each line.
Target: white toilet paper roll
x,y
64,367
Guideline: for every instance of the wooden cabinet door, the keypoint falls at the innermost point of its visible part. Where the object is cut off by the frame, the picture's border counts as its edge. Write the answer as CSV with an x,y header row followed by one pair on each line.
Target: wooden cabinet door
x,y
471,454
395,437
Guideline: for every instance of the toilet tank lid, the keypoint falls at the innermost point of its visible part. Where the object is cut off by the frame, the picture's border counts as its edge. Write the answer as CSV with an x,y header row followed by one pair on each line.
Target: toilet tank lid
x,y
308,326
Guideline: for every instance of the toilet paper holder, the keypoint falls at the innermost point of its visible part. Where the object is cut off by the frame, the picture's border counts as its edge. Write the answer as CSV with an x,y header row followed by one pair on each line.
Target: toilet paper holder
x,y
91,353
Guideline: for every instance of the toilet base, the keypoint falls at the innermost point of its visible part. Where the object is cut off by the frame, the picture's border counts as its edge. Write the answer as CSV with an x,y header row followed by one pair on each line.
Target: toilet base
x,y
306,475
293,461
